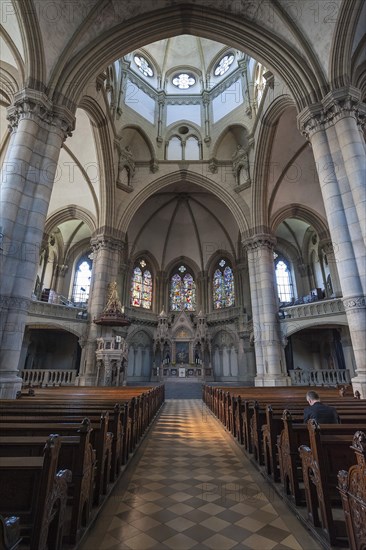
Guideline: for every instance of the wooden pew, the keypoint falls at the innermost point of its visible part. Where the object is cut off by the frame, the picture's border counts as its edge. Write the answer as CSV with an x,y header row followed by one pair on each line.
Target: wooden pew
x,y
330,450
273,426
77,455
101,441
9,533
352,488
140,404
33,489
56,411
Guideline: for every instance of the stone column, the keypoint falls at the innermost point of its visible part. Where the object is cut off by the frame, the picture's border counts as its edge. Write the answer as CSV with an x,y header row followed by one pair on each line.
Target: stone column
x,y
38,129
206,116
161,107
107,251
331,128
328,248
59,285
202,288
348,354
271,365
302,276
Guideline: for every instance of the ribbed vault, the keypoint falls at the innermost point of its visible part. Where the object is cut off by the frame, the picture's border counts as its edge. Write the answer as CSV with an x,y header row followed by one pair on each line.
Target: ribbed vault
x,y
184,177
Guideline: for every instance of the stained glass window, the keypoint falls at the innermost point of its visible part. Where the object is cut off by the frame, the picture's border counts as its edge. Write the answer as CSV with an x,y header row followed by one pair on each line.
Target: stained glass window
x,y
223,286
284,281
182,291
183,81
141,286
81,288
224,64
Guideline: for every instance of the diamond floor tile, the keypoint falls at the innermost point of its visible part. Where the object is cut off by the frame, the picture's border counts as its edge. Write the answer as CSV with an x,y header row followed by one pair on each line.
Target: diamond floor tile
x,y
190,487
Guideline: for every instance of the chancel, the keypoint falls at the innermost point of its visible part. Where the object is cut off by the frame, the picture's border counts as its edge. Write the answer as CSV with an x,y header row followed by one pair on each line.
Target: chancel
x,y
182,200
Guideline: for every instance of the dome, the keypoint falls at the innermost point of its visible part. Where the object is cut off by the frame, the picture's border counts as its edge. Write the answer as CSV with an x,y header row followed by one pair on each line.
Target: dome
x,y
184,63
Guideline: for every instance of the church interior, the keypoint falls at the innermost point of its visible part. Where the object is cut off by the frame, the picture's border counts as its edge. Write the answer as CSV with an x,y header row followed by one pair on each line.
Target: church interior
x,y
183,204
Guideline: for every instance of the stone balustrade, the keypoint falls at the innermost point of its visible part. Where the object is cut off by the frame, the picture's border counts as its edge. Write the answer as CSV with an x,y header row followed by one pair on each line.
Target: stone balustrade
x,y
320,377
59,311
314,309
48,377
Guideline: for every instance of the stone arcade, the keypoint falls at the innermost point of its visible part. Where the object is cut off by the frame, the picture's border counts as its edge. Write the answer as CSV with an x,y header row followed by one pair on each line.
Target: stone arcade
x,y
208,158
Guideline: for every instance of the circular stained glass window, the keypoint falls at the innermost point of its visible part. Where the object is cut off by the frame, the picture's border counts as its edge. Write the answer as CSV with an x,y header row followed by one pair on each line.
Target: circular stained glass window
x,y
143,65
224,64
183,81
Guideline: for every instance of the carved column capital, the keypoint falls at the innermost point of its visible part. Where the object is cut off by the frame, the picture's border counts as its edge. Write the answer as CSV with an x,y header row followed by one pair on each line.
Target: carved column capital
x,y
327,247
335,105
260,241
106,242
34,105
61,270
356,302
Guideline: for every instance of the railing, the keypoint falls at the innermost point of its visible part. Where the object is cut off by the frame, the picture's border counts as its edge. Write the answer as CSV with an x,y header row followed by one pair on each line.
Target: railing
x,y
326,377
47,309
47,377
323,307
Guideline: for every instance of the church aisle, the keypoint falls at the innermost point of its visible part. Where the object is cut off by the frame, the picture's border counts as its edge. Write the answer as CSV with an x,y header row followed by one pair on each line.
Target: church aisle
x,y
191,487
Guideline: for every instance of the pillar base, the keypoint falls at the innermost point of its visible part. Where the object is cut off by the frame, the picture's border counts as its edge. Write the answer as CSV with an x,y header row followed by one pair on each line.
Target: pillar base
x,y
359,384
272,380
86,380
9,385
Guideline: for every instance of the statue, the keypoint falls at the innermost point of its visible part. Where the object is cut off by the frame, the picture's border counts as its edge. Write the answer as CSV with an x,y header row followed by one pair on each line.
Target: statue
x,y
126,166
114,313
241,168
113,301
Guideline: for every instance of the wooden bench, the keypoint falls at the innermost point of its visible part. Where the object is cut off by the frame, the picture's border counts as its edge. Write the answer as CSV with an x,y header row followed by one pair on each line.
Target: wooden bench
x,y
101,441
138,406
118,421
271,429
77,455
330,451
34,490
9,533
352,488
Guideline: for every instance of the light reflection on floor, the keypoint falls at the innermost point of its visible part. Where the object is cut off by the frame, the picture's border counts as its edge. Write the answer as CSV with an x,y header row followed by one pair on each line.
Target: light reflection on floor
x,y
191,487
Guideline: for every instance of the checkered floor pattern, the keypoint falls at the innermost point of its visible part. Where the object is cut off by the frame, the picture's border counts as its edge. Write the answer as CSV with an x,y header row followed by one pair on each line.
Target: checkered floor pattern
x,y
191,487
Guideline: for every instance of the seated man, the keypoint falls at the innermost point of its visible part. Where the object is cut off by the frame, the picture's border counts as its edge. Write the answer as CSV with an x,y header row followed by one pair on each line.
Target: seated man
x,y
323,414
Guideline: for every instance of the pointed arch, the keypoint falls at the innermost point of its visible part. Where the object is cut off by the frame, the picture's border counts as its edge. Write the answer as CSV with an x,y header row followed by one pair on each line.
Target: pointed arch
x,y
238,208
304,78
101,124
35,64
343,37
70,212
261,169
303,213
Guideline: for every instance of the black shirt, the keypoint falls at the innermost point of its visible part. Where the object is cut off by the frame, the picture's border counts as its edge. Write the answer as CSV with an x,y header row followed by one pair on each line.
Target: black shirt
x,y
323,414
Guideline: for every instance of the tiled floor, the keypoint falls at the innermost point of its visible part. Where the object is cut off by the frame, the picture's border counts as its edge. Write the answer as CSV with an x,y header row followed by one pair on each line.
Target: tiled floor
x,y
191,487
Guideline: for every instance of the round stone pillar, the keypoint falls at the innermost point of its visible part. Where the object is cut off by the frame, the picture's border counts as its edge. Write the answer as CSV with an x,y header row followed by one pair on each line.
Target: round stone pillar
x,y
271,366
38,129
331,128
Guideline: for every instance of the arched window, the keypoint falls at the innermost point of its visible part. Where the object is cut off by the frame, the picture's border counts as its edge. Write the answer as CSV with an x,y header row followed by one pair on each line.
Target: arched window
x,y
141,286
192,149
223,286
182,291
81,287
174,149
285,287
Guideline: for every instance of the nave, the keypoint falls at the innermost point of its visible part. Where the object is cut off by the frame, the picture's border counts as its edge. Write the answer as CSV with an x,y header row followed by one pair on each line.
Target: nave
x,y
190,486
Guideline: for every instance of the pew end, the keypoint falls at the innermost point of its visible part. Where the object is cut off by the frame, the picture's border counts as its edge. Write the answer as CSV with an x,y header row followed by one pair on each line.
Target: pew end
x,y
9,533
